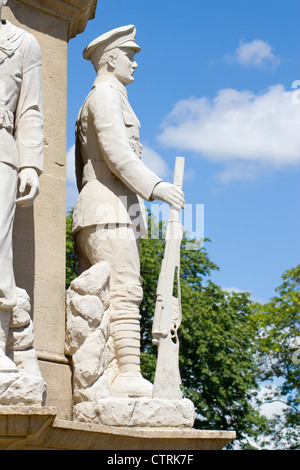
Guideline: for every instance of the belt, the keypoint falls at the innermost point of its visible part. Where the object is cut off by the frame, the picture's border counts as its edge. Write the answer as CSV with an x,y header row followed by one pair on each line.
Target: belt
x,y
7,120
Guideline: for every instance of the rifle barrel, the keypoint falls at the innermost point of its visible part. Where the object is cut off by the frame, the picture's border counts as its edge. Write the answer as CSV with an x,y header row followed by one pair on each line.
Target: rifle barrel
x,y
179,171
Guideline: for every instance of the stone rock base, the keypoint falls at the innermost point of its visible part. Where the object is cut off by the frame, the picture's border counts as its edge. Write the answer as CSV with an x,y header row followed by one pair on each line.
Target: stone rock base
x,y
21,389
139,412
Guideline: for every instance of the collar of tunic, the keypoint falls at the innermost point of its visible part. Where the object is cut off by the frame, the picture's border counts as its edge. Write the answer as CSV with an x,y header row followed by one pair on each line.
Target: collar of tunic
x,y
9,40
113,81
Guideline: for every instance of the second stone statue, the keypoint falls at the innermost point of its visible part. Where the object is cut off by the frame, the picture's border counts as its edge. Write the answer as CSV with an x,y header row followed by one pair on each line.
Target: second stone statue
x,y
109,216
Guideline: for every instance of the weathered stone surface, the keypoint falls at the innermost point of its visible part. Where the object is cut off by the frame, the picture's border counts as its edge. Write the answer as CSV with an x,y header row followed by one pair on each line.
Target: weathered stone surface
x,y
89,307
87,333
76,13
89,360
21,389
21,338
77,331
21,313
94,281
94,393
24,385
21,334
145,412
26,361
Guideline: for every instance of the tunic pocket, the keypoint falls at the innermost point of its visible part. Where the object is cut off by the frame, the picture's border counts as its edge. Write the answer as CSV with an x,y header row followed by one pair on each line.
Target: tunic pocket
x,y
129,119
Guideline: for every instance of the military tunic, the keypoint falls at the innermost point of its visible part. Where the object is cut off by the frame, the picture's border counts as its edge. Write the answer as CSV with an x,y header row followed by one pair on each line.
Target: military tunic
x,y
112,179
21,135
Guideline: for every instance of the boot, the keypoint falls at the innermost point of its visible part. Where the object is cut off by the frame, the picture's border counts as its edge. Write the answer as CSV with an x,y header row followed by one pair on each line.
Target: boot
x,y
129,381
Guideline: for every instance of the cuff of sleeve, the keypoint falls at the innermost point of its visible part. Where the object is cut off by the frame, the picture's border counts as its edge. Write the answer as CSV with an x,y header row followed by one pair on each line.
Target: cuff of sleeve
x,y
150,197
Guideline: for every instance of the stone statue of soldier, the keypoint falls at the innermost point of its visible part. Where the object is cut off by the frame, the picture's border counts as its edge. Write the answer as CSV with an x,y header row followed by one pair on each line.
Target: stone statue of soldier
x,y
113,181
21,152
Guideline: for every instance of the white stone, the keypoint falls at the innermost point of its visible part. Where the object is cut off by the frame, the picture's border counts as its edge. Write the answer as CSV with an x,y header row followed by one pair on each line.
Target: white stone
x,y
21,313
87,335
94,281
94,393
24,384
89,307
77,331
26,361
139,412
20,338
21,389
89,360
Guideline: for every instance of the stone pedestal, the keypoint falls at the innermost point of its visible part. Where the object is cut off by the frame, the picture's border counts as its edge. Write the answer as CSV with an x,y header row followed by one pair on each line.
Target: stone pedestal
x,y
39,236
36,428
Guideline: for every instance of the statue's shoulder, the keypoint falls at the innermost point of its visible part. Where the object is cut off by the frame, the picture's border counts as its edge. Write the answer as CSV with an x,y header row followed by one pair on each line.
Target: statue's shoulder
x,y
103,92
25,43
104,97
105,88
19,37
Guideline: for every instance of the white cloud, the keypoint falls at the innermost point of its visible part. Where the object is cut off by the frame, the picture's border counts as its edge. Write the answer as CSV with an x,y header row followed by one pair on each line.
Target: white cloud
x,y
257,53
269,401
238,172
244,130
235,290
155,162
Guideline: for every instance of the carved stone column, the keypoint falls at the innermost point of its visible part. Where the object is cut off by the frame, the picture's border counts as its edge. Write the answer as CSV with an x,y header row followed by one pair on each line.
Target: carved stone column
x,y
39,238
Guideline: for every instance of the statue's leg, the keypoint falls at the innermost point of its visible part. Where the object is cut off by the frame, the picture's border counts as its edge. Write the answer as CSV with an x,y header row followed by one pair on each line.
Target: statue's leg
x,y
120,248
8,295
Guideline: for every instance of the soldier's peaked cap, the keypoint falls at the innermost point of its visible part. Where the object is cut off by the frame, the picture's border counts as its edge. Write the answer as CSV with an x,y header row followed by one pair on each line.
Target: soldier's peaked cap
x,y
118,37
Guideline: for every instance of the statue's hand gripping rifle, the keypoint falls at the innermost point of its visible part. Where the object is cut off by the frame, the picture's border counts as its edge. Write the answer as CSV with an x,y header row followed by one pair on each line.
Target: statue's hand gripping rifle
x,y
167,315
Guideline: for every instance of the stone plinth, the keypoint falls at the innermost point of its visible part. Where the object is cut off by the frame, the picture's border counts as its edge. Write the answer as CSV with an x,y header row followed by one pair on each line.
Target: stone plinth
x,y
35,428
137,412
39,232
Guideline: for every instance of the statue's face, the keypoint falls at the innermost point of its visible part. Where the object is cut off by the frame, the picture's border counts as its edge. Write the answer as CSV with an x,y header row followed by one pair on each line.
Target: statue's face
x,y
125,65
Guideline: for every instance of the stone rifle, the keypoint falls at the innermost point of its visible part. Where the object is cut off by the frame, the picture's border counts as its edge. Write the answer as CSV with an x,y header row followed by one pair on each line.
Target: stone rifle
x,y
167,315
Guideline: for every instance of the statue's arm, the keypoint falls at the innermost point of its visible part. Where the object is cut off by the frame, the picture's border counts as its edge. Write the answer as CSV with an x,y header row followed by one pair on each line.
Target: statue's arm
x,y
106,111
29,122
29,129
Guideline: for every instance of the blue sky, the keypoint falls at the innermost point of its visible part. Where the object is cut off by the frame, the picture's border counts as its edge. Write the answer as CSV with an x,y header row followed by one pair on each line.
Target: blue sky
x,y
214,84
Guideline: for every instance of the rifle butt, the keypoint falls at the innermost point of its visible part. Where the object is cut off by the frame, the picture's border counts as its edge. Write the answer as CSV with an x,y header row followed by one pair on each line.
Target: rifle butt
x,y
167,377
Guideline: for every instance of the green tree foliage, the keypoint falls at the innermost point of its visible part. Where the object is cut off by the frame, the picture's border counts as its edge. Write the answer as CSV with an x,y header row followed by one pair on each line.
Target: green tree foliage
x,y
279,355
217,340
